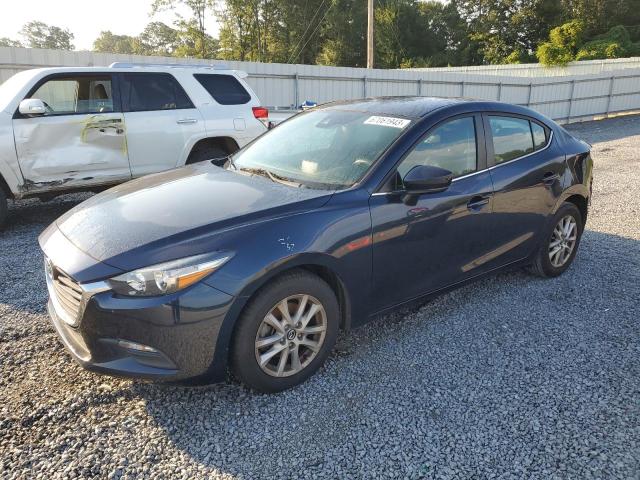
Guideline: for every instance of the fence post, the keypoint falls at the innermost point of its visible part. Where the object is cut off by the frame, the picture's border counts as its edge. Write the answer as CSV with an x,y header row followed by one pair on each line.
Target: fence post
x,y
529,94
612,81
462,83
419,87
573,86
296,91
364,87
500,91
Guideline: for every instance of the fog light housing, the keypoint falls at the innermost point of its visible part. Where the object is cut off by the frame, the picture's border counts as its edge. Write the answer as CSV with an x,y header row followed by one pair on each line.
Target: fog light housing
x,y
136,347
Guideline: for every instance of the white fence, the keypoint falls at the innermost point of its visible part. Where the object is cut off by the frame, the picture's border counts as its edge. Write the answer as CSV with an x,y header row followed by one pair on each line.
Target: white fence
x,y
587,67
568,98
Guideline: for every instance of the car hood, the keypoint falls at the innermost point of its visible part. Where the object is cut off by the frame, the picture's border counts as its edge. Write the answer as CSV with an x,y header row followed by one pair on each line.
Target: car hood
x,y
172,214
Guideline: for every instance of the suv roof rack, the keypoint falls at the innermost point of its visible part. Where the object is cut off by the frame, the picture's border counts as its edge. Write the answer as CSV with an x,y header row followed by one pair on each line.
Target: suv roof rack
x,y
220,66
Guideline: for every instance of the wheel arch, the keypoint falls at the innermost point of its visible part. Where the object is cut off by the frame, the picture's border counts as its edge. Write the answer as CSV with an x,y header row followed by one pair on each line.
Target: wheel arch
x,y
320,265
228,144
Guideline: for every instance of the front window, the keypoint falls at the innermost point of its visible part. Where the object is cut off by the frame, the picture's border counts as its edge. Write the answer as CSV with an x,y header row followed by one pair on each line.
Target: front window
x,y
83,94
326,149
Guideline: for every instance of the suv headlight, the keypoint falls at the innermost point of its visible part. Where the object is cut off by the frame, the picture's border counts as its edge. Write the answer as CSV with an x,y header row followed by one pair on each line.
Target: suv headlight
x,y
168,277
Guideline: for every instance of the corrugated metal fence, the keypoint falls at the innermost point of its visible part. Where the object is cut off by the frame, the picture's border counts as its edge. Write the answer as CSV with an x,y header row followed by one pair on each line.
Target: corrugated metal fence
x,y
566,98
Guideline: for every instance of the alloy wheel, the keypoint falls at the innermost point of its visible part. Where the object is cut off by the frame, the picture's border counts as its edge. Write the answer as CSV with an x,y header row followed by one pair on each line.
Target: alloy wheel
x,y
563,241
290,335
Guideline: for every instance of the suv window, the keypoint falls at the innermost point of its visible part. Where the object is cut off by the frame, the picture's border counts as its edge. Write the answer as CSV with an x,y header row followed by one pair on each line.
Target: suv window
x,y
143,92
451,145
69,95
512,137
225,89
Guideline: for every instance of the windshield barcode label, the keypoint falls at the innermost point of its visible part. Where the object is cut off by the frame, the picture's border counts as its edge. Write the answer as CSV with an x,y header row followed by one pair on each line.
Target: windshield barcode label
x,y
387,121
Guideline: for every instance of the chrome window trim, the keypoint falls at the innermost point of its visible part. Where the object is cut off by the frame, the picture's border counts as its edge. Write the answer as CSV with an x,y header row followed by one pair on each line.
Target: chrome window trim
x,y
486,169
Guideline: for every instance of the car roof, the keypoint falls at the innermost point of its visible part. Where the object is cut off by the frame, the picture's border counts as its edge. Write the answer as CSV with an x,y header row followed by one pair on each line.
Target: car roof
x,y
418,107
410,107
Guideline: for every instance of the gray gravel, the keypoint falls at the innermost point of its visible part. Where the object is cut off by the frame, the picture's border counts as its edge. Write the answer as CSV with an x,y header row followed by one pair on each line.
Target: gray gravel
x,y
515,377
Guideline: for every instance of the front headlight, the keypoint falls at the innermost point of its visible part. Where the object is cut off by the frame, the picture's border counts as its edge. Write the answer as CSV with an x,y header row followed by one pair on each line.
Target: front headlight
x,y
167,277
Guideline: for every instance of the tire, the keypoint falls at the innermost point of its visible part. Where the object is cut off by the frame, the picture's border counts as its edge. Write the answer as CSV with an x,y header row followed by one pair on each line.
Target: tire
x,y
253,327
543,265
208,152
4,208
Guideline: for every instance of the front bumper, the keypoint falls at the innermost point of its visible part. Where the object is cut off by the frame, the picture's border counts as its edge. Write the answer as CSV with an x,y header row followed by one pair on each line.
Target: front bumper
x,y
180,332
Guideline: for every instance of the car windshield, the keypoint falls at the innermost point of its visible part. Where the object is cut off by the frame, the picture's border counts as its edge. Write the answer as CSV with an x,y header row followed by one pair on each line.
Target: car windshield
x,y
321,149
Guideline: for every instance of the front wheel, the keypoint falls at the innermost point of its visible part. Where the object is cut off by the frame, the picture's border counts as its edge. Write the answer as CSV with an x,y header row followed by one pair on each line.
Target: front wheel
x,y
560,242
286,332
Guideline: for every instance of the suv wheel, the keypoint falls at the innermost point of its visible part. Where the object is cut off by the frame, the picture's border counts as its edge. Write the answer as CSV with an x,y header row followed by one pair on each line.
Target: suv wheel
x,y
208,152
3,208
286,333
560,243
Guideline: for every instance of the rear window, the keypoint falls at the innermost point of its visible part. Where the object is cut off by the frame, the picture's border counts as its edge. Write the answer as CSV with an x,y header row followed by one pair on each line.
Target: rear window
x,y
511,138
539,136
143,92
225,89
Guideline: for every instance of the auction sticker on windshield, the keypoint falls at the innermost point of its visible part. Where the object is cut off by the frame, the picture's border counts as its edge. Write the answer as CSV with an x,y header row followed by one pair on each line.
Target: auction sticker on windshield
x,y
387,121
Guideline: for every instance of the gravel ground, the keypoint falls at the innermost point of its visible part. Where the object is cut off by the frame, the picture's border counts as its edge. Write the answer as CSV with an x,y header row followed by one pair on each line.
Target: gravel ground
x,y
514,377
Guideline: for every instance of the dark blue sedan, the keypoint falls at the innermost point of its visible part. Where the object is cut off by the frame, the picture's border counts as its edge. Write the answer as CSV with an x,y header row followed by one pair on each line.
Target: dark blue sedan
x,y
340,214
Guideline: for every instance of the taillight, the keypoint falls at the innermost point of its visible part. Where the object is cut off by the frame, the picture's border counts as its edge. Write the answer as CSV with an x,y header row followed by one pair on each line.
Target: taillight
x,y
260,112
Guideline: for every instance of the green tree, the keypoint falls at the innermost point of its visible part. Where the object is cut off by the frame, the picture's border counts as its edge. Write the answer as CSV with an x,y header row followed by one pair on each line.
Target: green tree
x,y
563,44
509,29
158,38
40,35
198,9
107,42
7,42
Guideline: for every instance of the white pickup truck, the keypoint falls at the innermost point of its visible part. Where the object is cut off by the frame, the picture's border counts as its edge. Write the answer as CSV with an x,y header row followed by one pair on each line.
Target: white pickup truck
x,y
68,129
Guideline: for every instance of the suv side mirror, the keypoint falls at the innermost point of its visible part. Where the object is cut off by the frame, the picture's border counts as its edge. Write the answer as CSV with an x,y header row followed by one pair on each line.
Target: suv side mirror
x,y
32,106
425,179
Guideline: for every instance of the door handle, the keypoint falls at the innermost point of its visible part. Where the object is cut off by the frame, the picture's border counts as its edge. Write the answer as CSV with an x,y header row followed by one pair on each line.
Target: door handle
x,y
183,121
478,202
550,177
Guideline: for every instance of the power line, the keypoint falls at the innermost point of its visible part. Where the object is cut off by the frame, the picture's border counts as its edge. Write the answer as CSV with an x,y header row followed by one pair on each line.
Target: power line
x,y
306,30
314,31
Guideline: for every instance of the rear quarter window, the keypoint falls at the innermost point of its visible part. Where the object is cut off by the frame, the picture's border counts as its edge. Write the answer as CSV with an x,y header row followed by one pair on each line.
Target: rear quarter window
x,y
225,89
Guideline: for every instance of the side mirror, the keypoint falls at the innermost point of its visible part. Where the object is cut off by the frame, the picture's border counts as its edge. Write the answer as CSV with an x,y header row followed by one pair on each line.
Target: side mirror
x,y
32,106
425,179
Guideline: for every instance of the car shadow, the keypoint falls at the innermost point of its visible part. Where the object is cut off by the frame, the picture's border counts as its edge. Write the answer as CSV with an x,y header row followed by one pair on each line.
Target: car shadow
x,y
501,327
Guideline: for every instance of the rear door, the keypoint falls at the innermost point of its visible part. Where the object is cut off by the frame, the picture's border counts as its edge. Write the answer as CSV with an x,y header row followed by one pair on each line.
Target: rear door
x,y
80,140
162,121
526,166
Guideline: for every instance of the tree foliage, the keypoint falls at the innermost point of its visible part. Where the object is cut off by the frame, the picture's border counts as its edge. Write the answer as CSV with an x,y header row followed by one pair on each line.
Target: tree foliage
x,y
40,35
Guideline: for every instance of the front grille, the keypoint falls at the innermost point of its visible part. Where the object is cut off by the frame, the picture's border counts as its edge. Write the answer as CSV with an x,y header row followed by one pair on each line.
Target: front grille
x,y
68,293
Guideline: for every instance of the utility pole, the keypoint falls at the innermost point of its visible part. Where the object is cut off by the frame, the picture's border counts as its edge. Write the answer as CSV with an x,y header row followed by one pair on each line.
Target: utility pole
x,y
370,34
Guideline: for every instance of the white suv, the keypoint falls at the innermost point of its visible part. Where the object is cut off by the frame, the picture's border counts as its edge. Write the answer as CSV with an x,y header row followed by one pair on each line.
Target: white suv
x,y
66,129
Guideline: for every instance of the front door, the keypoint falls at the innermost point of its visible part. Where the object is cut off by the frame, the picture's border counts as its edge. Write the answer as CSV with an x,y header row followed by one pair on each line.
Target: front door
x,y
79,141
444,237
162,122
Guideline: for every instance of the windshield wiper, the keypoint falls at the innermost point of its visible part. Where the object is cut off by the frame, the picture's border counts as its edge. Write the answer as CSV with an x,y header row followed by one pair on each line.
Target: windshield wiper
x,y
270,175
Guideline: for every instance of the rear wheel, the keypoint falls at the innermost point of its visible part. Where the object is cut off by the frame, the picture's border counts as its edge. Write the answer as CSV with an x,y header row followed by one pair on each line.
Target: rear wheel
x,y
560,243
4,209
286,333
203,152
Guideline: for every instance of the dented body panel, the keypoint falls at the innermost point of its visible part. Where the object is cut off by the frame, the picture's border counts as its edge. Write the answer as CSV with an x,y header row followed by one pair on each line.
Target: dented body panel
x,y
68,150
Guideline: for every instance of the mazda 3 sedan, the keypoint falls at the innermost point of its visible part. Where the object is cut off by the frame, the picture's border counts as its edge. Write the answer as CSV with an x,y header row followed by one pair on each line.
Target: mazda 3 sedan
x,y
340,214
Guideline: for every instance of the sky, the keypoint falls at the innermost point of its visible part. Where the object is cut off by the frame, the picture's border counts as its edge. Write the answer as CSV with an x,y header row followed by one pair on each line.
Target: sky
x,y
84,18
